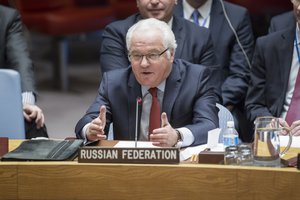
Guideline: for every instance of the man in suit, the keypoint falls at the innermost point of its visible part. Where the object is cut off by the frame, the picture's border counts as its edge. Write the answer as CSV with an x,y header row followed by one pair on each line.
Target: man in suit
x,y
282,21
274,73
14,55
234,63
188,104
194,43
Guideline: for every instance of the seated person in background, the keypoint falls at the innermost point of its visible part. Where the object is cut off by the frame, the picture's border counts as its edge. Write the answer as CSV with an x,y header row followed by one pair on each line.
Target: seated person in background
x,y
282,21
275,77
234,63
184,107
14,55
194,43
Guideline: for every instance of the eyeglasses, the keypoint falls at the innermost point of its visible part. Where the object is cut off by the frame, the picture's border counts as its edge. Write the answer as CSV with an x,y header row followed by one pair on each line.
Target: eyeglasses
x,y
296,2
150,57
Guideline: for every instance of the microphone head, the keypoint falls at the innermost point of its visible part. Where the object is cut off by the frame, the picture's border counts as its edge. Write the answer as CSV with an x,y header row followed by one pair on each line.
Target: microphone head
x,y
139,100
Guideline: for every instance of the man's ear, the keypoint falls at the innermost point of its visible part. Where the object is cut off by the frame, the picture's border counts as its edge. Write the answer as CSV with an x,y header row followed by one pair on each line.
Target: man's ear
x,y
172,54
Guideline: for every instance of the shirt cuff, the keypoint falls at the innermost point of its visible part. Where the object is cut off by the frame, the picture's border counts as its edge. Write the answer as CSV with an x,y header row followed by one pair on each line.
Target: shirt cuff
x,y
188,137
28,98
83,133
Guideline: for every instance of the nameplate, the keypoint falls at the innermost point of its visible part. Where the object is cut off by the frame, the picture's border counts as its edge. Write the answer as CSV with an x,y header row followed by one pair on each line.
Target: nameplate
x,y
96,154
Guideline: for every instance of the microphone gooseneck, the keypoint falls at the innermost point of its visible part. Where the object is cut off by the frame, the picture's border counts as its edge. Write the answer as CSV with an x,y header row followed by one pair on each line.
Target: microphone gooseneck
x,y
138,103
235,34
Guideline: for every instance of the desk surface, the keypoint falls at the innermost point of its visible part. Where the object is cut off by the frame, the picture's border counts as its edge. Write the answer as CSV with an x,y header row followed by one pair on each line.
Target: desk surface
x,y
72,180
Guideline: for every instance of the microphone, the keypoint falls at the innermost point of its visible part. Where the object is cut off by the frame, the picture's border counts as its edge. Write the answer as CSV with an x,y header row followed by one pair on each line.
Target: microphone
x,y
138,103
235,34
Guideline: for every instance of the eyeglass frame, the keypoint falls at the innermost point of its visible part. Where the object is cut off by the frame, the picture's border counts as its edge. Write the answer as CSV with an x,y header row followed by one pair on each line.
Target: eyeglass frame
x,y
155,56
295,3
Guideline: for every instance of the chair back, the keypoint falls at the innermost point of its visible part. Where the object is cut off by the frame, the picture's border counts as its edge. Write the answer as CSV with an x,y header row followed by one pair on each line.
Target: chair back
x,y
11,109
224,115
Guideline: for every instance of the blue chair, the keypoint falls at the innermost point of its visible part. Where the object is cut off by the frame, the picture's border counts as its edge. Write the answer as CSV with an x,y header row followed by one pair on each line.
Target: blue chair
x,y
224,115
11,109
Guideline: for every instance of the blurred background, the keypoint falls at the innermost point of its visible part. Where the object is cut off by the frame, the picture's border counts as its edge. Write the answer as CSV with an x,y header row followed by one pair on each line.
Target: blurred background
x,y
64,37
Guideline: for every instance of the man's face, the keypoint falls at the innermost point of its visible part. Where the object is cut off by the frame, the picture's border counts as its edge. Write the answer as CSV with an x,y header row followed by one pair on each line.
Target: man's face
x,y
159,9
149,70
296,5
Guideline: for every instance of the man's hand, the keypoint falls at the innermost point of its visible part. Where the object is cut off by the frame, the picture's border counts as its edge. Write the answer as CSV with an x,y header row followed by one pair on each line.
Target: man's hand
x,y
285,127
33,112
95,130
165,136
295,128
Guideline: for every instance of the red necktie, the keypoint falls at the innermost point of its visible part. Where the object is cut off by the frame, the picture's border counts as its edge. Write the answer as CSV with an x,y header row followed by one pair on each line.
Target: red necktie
x,y
154,119
293,113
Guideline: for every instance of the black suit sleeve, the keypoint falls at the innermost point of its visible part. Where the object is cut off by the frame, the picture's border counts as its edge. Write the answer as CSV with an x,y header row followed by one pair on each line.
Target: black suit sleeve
x,y
235,86
17,53
256,99
113,49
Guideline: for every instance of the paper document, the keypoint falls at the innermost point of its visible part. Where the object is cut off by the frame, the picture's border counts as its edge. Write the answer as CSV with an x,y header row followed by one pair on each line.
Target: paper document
x,y
213,138
131,144
285,139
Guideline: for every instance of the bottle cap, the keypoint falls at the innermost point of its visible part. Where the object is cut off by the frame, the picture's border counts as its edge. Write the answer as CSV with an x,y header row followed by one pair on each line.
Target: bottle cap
x,y
230,124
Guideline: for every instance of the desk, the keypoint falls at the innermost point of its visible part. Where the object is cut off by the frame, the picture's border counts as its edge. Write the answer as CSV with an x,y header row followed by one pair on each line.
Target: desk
x,y
72,180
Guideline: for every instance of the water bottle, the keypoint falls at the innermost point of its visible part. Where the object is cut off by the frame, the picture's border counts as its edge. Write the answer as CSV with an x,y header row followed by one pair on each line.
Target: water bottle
x,y
230,136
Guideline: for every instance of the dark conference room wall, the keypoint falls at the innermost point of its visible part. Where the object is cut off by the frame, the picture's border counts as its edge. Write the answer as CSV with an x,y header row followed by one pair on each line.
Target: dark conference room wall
x,y
261,12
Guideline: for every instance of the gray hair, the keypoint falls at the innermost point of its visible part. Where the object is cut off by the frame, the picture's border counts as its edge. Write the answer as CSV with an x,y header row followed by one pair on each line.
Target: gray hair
x,y
167,34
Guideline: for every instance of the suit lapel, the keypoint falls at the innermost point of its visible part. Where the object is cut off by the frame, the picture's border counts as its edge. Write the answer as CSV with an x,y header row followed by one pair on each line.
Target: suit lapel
x,y
216,21
171,90
285,55
286,47
134,91
177,29
178,10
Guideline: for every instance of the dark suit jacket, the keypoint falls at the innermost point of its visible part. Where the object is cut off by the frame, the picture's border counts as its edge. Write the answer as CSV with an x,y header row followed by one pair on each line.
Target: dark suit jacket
x,y
114,55
13,48
191,107
270,74
228,52
282,21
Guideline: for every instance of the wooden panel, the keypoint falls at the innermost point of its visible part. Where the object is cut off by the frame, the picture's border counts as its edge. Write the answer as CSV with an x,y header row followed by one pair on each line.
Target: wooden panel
x,y
8,182
72,180
270,183
125,182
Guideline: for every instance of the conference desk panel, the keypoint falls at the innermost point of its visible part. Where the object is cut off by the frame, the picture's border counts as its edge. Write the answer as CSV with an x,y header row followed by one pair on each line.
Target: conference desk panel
x,y
72,180
8,182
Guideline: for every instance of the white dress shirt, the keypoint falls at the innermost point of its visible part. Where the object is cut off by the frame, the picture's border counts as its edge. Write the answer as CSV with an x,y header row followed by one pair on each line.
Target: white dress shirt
x,y
204,11
28,98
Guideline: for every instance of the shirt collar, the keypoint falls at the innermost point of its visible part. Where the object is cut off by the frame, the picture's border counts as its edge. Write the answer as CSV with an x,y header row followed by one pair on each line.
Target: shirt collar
x,y
161,88
297,31
204,10
170,22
